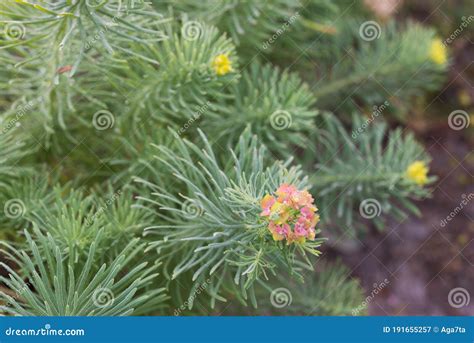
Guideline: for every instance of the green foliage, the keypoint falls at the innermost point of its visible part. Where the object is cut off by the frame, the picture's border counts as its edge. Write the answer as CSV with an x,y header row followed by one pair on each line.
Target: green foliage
x,y
70,222
248,23
312,26
212,226
74,219
12,151
364,165
45,44
277,105
97,93
132,151
177,81
58,286
21,196
329,291
395,65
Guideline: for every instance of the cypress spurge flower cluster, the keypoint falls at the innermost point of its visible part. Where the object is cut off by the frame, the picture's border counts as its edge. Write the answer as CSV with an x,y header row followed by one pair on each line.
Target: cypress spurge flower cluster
x,y
202,180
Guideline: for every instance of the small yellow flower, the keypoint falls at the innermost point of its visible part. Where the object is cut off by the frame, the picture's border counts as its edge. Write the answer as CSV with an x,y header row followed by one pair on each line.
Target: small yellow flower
x,y
417,172
438,52
222,64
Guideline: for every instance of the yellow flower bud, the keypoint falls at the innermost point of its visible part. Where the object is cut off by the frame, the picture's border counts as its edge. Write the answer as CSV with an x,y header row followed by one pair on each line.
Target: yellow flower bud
x,y
222,64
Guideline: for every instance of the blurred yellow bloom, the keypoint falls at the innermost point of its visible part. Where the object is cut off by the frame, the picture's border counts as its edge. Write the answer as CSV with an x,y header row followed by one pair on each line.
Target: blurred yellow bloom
x,y
417,172
222,64
438,52
291,215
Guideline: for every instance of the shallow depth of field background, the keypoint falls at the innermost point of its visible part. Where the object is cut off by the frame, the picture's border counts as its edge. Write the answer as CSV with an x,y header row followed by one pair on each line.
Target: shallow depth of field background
x,y
425,266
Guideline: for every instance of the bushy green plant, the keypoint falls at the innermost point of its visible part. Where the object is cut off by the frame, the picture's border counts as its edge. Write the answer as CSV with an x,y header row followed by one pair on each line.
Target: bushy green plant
x,y
212,224
157,158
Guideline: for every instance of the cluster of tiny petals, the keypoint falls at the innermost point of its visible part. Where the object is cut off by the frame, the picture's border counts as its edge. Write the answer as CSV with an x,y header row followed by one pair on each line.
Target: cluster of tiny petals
x,y
222,64
417,172
291,214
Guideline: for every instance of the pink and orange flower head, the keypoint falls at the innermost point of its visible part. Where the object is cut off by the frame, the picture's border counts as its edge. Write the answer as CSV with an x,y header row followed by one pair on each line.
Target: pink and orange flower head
x,y
291,214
